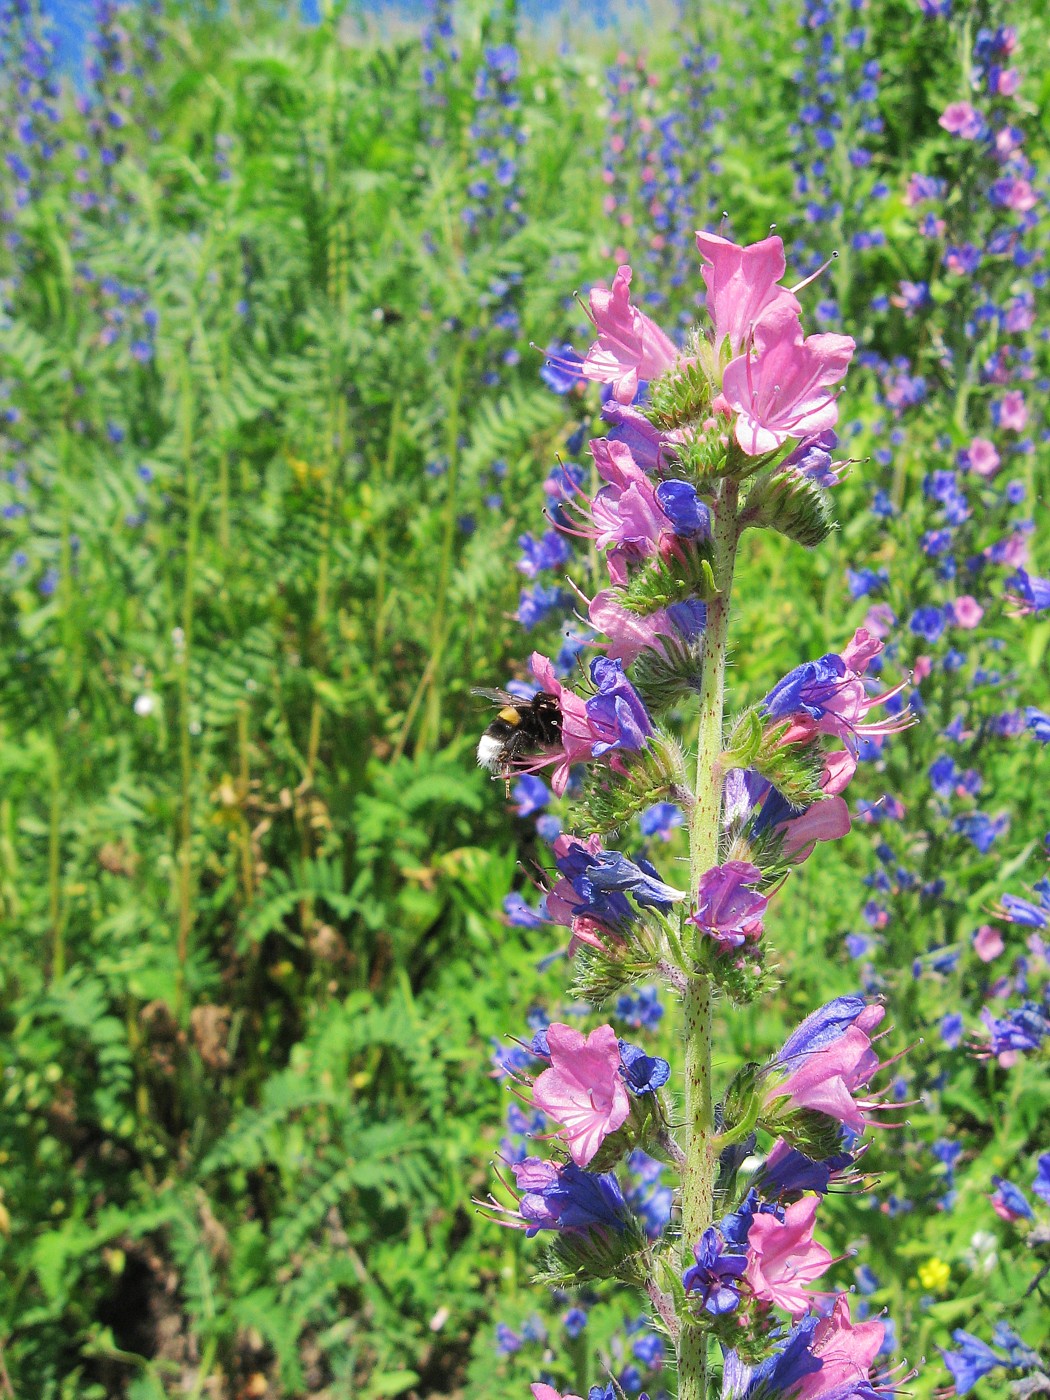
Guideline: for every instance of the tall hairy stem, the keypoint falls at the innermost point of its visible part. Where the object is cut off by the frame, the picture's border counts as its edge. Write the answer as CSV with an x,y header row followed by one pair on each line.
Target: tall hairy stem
x,y
698,1172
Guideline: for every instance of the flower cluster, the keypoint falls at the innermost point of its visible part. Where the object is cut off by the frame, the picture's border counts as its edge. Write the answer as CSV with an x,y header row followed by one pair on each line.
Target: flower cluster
x,y
732,431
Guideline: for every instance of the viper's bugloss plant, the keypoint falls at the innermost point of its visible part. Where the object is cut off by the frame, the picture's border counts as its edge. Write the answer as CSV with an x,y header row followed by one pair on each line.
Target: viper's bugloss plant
x,y
730,433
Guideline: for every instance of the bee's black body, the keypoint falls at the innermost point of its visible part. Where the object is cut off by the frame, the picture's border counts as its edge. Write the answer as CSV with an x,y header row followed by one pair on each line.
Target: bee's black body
x,y
521,727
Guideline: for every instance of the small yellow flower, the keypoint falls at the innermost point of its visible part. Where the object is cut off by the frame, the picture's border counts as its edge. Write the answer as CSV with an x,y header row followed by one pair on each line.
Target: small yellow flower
x,y
934,1275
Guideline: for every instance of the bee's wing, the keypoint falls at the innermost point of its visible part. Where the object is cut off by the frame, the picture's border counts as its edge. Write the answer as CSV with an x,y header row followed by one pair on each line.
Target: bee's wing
x,y
498,697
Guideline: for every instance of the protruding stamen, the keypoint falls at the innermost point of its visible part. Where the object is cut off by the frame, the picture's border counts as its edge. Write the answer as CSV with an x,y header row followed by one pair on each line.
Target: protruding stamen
x,y
584,308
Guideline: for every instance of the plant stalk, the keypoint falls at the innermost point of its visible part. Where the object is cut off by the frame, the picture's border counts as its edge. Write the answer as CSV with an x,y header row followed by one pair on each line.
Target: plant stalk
x,y
701,1158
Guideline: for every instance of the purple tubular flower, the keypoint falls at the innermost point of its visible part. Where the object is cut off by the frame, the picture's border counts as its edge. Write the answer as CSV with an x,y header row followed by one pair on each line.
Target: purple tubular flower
x,y
574,1321
727,908
715,1277
1020,1354
631,426
642,1073
1038,723
1009,1200
686,512
928,623
610,871
981,829
537,603
951,1029
530,794
551,551
1020,911
1032,594
522,915
1024,1028
1041,1184
507,1342
660,820
812,457
649,1350
973,1360
735,1224
617,714
822,1028
689,618
778,1374
806,689
567,1198
788,1172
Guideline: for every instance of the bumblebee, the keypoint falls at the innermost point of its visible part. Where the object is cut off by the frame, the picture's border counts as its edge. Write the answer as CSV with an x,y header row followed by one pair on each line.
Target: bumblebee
x,y
521,727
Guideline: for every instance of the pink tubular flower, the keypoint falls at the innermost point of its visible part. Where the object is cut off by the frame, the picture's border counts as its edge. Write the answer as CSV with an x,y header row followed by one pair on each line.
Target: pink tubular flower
x,y
961,119
547,1392
827,820
627,519
783,392
576,734
988,943
839,768
742,286
829,1059
629,347
583,1089
629,633
847,1352
1013,412
783,1256
984,460
968,612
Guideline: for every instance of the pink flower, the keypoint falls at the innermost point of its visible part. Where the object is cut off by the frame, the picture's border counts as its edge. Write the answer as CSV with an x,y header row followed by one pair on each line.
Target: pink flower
x,y
826,820
879,619
968,612
1013,413
988,943
783,392
783,1256
1018,195
577,736
1008,82
625,513
583,1089
960,119
984,459
629,347
921,668
847,1353
742,286
839,768
629,634
828,1078
547,1392
1007,140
